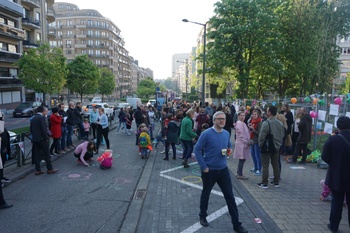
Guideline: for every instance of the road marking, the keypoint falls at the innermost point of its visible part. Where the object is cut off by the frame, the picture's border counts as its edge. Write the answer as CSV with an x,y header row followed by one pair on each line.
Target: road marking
x,y
195,227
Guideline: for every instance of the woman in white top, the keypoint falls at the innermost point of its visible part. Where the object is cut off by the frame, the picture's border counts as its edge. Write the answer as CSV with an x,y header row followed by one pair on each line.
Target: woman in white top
x,y
295,133
151,116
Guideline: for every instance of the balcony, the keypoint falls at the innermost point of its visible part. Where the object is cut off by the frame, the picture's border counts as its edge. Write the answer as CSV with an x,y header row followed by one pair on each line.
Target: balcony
x,y
97,26
9,57
11,8
10,81
52,33
50,2
81,36
12,32
31,23
80,26
31,3
50,15
30,44
80,46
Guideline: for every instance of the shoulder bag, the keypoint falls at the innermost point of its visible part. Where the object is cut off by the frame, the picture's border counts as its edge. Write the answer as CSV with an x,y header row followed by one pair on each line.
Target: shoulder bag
x,y
268,146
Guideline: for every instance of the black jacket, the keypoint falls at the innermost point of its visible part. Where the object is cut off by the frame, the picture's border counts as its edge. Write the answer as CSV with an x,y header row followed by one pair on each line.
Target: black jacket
x,y
304,126
337,154
138,116
38,128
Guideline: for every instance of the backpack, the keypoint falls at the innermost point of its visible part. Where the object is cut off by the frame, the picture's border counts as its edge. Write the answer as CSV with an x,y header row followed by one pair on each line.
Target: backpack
x,y
268,146
143,140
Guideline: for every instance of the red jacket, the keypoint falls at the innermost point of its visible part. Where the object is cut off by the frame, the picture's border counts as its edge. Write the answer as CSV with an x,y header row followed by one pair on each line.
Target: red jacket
x,y
55,128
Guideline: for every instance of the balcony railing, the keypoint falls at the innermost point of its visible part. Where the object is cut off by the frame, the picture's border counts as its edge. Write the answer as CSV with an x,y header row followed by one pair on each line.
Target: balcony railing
x,y
27,43
9,81
31,3
50,16
12,7
31,22
9,57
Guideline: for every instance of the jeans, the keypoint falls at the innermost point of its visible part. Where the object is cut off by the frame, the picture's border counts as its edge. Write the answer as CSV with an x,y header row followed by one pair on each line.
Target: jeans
x,y
144,151
240,167
256,155
265,159
337,208
188,148
63,137
69,135
151,127
223,179
167,146
124,126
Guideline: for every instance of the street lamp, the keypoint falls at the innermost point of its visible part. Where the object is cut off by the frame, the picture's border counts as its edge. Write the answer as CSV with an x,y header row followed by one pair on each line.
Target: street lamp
x,y
186,74
204,42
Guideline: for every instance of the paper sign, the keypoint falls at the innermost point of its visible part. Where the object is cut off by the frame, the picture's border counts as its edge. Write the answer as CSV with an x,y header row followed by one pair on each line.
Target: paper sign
x,y
319,125
321,115
328,128
335,121
334,109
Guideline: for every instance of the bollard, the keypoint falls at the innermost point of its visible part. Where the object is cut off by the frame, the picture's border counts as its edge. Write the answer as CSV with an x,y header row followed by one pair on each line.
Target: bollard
x,y
18,151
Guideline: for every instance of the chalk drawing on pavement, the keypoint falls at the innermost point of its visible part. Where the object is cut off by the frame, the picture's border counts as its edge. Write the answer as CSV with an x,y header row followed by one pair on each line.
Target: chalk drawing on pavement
x,y
192,179
75,175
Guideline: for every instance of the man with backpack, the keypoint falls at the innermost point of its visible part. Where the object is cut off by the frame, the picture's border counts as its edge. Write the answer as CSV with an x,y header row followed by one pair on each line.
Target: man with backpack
x,y
273,130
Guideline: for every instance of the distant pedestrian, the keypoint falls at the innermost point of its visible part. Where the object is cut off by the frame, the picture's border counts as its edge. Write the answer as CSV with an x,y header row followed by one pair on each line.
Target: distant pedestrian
x,y
216,145
63,139
336,152
254,124
122,122
187,137
242,143
172,135
70,124
5,150
102,128
273,127
56,131
92,118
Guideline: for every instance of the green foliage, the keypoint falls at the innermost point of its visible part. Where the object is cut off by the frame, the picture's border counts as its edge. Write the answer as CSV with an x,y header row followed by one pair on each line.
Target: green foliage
x,y
146,88
83,76
43,69
106,83
168,83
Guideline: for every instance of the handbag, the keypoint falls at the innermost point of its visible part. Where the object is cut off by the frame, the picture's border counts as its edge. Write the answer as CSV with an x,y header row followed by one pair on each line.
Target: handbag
x,y
288,140
268,146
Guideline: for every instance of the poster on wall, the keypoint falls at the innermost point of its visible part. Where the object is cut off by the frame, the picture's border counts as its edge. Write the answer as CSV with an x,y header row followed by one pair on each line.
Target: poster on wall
x,y
334,109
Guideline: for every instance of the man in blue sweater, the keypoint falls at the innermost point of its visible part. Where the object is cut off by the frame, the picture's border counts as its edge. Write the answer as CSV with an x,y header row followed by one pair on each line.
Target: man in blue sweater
x,y
211,151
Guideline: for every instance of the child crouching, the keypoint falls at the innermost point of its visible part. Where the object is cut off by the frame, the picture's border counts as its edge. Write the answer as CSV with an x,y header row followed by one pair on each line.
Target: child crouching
x,y
106,160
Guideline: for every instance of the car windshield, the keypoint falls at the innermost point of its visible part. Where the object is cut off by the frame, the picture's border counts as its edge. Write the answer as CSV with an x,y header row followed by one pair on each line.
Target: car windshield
x,y
25,105
90,106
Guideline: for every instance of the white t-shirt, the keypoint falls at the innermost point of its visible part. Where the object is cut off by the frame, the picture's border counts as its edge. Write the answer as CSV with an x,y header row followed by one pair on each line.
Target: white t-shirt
x,y
151,117
296,123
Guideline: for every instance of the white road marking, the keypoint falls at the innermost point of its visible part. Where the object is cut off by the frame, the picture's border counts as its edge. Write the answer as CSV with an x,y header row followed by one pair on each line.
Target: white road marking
x,y
195,227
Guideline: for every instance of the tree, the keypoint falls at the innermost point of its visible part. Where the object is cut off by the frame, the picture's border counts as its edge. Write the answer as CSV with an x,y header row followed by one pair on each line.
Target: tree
x,y
43,69
168,83
106,83
83,76
146,88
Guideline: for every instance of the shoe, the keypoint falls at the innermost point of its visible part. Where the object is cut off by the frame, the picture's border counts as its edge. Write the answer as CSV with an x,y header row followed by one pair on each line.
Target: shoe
x,y
253,170
204,222
37,173
166,158
5,180
276,185
291,162
5,206
241,177
257,173
329,227
240,229
263,186
163,152
80,162
52,171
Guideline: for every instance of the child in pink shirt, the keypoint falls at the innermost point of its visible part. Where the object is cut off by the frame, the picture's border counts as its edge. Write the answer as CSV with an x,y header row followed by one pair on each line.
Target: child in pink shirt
x,y
106,160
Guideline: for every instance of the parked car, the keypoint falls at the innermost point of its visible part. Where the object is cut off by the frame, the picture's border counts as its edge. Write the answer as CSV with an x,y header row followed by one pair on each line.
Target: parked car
x,y
122,105
108,110
26,109
96,100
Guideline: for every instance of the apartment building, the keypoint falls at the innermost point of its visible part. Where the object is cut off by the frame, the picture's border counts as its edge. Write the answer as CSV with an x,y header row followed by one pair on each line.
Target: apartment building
x,y
139,74
86,31
23,25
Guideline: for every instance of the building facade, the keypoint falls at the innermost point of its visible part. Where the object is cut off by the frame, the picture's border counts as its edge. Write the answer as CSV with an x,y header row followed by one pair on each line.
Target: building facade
x,y
139,74
86,31
23,25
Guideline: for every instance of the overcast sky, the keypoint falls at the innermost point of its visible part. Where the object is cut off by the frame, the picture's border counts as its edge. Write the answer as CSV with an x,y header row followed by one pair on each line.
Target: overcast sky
x,y
153,29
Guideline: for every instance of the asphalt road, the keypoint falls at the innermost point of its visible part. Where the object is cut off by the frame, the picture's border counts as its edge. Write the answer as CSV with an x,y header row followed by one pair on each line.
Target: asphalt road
x,y
77,198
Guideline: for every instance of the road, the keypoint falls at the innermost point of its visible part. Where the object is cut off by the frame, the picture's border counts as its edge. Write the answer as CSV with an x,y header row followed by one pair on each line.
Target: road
x,y
77,198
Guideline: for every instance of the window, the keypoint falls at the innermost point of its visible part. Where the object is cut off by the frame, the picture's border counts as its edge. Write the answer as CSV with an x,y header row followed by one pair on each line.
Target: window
x,y
98,52
37,16
69,33
59,33
83,41
38,36
12,48
53,43
59,43
98,62
89,22
83,51
68,51
90,52
82,32
90,32
97,42
82,21
69,43
69,23
11,23
97,33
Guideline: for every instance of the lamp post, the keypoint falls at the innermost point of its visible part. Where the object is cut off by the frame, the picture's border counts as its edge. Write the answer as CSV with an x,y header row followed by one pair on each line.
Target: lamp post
x,y
204,45
186,74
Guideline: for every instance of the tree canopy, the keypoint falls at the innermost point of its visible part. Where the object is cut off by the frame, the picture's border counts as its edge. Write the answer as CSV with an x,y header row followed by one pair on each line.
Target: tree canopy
x,y
43,69
146,88
83,76
106,83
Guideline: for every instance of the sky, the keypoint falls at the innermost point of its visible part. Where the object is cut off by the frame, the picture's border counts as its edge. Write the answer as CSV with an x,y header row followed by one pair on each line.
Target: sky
x,y
153,30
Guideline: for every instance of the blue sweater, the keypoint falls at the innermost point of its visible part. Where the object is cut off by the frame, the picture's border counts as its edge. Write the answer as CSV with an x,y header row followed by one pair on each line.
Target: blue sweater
x,y
212,142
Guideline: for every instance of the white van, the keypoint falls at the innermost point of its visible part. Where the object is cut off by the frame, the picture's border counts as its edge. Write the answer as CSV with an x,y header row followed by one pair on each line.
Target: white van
x,y
134,102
